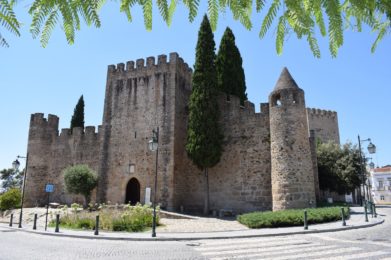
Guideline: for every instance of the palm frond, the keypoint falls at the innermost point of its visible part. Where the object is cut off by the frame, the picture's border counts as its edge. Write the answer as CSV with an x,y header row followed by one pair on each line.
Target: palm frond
x,y
8,20
268,20
46,14
213,13
147,11
192,5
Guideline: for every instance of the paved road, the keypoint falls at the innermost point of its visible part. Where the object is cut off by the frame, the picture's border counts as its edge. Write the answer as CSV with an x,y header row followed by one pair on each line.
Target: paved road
x,y
369,243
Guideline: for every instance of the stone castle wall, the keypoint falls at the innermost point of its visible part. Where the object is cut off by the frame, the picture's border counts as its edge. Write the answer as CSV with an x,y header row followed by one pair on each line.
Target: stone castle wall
x,y
292,172
50,153
324,123
144,95
241,180
138,100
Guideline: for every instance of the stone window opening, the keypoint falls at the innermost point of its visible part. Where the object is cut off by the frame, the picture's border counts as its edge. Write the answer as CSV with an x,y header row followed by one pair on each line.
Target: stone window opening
x,y
276,100
295,99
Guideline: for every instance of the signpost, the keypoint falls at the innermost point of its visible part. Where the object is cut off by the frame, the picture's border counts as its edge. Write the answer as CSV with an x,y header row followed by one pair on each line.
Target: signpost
x,y
49,188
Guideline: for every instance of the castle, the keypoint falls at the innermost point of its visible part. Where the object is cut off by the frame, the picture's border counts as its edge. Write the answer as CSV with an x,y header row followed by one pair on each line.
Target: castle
x,y
269,158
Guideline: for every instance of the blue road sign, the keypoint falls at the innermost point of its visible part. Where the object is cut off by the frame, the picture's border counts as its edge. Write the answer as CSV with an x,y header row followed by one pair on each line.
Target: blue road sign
x,y
49,187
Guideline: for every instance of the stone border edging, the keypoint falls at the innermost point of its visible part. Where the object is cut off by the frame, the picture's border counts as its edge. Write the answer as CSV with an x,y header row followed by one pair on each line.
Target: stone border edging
x,y
198,238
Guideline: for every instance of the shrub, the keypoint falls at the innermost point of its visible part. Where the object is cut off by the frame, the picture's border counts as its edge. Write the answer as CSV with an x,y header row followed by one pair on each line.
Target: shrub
x,y
80,179
10,199
132,219
285,218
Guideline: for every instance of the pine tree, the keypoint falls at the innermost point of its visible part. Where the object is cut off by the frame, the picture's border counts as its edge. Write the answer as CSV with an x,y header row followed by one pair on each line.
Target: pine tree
x,y
78,114
204,138
230,73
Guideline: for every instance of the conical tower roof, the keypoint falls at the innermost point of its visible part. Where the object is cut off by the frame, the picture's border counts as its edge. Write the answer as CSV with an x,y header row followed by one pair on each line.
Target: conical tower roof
x,y
285,81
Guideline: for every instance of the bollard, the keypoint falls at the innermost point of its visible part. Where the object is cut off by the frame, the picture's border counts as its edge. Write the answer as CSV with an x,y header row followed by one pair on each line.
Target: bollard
x,y
57,223
35,221
97,226
343,217
305,220
11,219
366,213
371,206
374,209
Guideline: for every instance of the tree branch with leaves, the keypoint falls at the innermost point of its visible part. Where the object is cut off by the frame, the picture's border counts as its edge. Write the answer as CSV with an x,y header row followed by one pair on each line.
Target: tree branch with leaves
x,y
303,18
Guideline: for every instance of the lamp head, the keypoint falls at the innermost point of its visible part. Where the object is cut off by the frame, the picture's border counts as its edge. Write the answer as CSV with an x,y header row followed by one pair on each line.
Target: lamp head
x,y
371,148
15,165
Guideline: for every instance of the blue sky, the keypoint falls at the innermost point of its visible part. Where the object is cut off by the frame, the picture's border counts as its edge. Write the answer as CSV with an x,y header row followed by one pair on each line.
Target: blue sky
x,y
33,79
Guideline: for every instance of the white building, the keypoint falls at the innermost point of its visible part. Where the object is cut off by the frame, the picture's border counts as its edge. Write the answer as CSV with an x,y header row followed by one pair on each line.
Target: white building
x,y
381,185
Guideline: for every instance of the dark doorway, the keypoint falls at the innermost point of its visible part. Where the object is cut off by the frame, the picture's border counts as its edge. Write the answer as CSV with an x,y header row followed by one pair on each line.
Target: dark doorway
x,y
132,192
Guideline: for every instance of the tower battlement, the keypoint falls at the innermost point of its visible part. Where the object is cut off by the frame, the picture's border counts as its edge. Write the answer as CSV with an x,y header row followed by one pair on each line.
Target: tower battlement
x,y
141,65
38,119
78,132
321,112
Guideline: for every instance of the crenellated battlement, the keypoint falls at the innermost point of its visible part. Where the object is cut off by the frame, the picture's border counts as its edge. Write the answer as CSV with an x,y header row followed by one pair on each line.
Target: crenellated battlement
x,y
231,106
50,124
150,63
79,132
321,112
38,121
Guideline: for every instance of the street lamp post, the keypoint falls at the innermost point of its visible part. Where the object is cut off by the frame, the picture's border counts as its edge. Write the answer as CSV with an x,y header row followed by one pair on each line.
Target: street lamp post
x,y
153,145
371,149
15,166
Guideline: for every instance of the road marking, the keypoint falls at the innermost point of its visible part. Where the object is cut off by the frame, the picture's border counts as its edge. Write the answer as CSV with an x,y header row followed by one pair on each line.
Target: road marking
x,y
258,249
272,255
319,253
359,255
351,241
241,240
251,244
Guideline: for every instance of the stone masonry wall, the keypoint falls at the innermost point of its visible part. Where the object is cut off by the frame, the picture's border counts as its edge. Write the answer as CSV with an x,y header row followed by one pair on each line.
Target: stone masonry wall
x,y
50,154
241,180
324,123
292,167
139,99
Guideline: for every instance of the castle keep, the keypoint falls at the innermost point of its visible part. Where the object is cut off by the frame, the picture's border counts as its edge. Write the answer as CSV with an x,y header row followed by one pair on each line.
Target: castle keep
x,y
269,159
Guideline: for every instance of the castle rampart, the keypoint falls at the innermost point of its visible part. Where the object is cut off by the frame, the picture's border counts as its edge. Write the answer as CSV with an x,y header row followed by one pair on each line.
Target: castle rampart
x,y
144,94
324,123
50,153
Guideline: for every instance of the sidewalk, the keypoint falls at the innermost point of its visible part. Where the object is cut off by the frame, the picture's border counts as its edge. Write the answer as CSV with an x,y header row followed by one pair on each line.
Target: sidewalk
x,y
357,220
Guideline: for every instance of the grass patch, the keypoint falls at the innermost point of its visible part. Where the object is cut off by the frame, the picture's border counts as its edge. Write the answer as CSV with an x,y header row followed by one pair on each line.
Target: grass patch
x,y
130,218
293,217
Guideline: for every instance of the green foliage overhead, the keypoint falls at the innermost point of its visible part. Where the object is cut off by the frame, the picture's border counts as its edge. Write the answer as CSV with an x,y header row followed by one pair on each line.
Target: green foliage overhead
x,y
230,73
80,179
204,135
11,179
10,199
293,217
303,18
8,20
338,167
78,114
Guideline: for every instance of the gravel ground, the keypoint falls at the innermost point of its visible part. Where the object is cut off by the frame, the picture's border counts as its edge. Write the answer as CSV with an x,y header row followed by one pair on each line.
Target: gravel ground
x,y
196,224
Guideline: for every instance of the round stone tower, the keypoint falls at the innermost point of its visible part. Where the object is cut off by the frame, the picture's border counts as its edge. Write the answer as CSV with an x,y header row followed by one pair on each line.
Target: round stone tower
x,y
292,173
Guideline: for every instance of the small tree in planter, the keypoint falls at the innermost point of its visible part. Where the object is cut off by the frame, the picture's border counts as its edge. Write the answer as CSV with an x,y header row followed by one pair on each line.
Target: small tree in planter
x,y
80,179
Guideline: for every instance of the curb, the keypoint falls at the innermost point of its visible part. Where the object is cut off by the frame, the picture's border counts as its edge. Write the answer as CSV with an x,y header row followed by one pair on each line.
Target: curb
x,y
100,237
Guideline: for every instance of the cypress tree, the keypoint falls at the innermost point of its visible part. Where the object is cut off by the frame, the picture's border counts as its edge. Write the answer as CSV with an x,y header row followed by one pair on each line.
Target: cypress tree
x,y
230,73
78,114
204,138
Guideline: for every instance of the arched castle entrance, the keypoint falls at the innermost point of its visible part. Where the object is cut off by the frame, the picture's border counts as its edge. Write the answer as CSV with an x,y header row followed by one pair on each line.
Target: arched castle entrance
x,y
132,192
